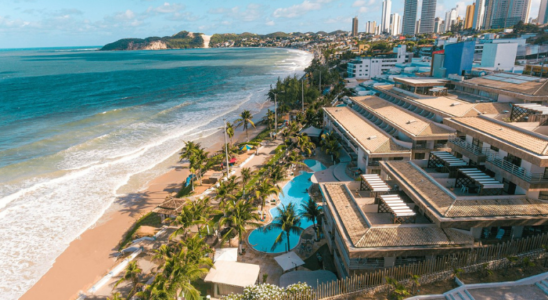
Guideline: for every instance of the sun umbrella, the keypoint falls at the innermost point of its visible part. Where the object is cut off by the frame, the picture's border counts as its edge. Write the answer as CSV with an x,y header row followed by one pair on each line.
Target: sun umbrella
x,y
246,147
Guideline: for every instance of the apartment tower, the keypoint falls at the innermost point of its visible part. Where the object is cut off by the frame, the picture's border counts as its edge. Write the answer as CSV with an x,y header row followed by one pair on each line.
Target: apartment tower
x,y
469,19
428,14
543,12
355,26
409,17
385,18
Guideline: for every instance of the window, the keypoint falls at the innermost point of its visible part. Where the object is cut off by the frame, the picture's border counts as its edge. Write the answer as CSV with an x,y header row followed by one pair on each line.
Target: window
x,y
477,143
420,155
543,195
494,148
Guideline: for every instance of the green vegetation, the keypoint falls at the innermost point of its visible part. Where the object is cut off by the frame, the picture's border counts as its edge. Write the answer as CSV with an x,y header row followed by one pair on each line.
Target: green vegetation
x,y
181,40
150,219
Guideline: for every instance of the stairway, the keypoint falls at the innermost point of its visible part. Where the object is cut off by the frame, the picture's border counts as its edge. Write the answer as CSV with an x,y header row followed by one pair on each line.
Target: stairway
x,y
459,295
543,285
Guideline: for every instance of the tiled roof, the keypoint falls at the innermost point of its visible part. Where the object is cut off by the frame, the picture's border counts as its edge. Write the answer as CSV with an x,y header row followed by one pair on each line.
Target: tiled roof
x,y
364,236
435,196
506,133
368,136
400,118
349,212
534,88
451,106
405,235
501,207
448,207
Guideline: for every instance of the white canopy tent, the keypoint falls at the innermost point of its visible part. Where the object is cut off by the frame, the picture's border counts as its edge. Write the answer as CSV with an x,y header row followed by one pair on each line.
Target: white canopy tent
x,y
289,261
226,254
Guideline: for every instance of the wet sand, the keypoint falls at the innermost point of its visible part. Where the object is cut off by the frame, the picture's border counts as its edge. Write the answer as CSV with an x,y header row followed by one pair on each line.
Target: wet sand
x,y
90,257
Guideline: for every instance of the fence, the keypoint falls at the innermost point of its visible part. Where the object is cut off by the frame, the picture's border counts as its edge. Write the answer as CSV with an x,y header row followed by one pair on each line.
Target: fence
x,y
495,256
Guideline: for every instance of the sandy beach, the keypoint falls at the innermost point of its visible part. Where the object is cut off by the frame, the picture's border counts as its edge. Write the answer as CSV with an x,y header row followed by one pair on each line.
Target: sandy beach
x,y
90,257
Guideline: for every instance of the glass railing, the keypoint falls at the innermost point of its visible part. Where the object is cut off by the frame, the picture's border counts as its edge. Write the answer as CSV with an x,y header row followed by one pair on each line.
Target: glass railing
x,y
469,147
516,170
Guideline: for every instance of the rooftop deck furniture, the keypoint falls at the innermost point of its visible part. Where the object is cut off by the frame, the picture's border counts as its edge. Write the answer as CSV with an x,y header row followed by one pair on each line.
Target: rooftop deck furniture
x,y
445,162
470,177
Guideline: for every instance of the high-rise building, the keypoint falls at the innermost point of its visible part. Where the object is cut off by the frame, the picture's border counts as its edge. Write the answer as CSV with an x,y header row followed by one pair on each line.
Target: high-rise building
x,y
355,26
395,24
543,12
507,13
428,13
385,18
409,17
479,11
469,18
437,24
370,27
418,26
450,19
488,14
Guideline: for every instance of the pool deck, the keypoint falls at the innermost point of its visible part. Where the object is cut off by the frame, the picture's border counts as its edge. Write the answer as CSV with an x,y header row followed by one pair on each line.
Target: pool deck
x,y
269,265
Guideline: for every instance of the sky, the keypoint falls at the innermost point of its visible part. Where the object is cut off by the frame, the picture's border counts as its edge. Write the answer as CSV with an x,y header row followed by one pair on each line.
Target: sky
x,y
58,23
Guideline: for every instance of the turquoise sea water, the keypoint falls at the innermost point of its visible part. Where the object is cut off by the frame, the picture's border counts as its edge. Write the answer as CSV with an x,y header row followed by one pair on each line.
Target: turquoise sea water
x,y
79,127
296,192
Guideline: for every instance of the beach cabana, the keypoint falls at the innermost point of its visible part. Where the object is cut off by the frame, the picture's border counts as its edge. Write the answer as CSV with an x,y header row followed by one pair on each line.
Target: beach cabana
x,y
230,277
289,261
312,132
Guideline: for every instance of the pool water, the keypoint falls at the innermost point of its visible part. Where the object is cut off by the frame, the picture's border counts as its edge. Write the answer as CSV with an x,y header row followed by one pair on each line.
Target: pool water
x,y
314,165
296,192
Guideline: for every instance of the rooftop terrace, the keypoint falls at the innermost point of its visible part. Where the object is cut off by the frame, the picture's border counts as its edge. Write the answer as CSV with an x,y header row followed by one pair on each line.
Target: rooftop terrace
x,y
400,118
367,135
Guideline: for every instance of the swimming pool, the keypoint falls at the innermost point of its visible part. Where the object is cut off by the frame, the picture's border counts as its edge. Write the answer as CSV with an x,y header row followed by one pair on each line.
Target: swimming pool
x,y
314,165
296,192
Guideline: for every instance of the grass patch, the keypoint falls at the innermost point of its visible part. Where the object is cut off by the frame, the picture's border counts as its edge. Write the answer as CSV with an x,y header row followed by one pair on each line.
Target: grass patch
x,y
261,136
150,219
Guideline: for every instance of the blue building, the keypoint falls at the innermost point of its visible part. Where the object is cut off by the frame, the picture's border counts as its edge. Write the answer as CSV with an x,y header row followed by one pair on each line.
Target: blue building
x,y
459,58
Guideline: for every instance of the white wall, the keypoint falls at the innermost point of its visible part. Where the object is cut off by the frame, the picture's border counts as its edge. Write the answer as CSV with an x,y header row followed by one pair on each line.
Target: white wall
x,y
499,56
504,98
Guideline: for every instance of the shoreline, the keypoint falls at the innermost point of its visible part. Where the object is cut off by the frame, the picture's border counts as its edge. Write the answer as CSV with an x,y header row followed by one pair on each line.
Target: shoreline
x,y
90,256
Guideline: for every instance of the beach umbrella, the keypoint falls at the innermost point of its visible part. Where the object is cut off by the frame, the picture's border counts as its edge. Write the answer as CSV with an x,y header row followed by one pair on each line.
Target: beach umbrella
x,y
246,147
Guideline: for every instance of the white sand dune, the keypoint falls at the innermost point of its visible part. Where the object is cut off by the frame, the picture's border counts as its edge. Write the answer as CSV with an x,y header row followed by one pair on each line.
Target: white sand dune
x,y
206,40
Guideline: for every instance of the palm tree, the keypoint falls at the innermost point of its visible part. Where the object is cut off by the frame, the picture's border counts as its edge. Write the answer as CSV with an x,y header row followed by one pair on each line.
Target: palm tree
x,y
188,149
237,217
245,120
184,220
288,221
245,175
265,189
226,189
158,290
180,270
311,211
277,173
230,131
132,274
269,119
116,296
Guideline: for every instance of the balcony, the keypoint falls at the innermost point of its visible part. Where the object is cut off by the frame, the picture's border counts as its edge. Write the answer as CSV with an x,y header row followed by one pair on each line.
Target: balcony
x,y
475,153
516,171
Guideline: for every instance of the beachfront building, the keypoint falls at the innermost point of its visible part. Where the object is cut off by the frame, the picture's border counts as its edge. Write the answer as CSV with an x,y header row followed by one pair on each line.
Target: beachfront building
x,y
504,87
371,67
514,153
419,133
363,142
419,210
430,98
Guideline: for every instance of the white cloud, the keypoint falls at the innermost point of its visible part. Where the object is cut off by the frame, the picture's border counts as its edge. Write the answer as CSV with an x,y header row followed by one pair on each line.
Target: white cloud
x,y
363,10
338,20
166,8
251,12
270,23
359,3
298,10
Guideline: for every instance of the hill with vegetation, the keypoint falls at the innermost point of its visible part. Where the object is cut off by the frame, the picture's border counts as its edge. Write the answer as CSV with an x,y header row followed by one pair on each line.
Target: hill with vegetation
x,y
181,40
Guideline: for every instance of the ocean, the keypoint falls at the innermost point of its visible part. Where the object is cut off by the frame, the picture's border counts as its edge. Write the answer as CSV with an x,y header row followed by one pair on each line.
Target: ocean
x,y
79,127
